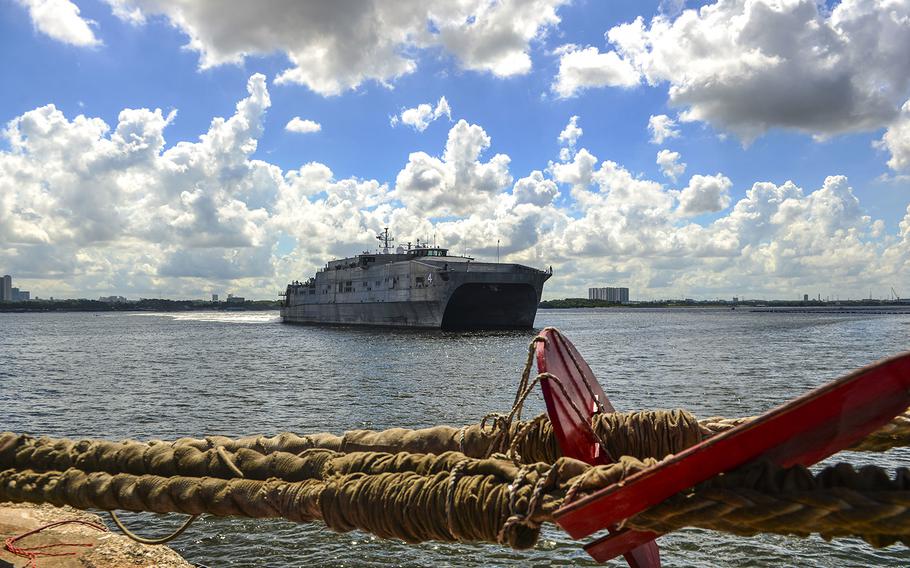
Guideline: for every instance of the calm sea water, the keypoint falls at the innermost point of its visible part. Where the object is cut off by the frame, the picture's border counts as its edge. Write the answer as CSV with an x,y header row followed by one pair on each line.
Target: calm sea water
x,y
164,376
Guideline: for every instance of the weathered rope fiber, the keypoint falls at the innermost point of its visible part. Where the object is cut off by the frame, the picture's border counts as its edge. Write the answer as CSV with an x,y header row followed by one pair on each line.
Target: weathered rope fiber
x,y
454,498
895,434
646,434
403,500
45,454
226,459
839,501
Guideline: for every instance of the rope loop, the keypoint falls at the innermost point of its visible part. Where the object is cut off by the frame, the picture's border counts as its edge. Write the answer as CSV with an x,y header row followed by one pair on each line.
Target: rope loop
x,y
454,476
222,453
496,420
526,428
151,541
462,432
525,387
543,484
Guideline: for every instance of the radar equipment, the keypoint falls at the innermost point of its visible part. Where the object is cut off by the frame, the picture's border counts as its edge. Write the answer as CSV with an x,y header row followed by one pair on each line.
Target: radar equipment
x,y
386,240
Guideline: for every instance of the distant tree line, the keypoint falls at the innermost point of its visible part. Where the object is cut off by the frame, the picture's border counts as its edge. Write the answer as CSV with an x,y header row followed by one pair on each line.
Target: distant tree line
x,y
586,303
145,305
577,303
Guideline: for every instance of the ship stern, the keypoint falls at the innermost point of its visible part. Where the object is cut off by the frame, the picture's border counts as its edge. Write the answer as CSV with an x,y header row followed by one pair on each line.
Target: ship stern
x,y
502,298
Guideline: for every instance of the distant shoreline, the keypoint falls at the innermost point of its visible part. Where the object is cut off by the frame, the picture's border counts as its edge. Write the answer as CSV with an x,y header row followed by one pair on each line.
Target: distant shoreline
x,y
762,305
148,305
159,305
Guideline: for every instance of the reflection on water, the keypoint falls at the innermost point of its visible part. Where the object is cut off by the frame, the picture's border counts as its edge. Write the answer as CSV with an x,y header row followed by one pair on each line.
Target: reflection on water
x,y
197,373
218,316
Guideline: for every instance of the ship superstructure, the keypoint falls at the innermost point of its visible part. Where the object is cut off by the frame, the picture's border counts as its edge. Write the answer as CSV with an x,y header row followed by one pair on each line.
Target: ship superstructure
x,y
417,286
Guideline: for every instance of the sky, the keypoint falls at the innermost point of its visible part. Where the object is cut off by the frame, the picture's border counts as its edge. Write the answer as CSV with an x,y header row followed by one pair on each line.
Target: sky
x,y
164,148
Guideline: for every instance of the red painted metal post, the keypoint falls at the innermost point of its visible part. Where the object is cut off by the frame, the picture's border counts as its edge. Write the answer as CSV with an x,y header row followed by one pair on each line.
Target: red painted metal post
x,y
579,391
803,431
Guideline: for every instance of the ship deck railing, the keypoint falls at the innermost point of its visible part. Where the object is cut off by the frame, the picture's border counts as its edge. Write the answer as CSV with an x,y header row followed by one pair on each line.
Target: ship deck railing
x,y
480,267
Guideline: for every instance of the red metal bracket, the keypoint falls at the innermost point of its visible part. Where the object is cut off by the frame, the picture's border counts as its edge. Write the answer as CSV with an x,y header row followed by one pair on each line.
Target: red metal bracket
x,y
803,431
579,392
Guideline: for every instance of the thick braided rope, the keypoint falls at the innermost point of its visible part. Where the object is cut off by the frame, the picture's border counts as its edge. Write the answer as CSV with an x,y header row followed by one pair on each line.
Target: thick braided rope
x,y
539,444
840,501
646,434
403,501
494,501
228,461
45,454
895,434
24,452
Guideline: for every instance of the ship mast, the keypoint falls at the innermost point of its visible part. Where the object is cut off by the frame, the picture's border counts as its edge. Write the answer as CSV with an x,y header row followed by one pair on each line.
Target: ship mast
x,y
386,240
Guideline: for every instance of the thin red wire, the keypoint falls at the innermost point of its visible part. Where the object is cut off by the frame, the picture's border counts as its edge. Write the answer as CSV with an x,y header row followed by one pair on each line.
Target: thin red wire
x,y
35,552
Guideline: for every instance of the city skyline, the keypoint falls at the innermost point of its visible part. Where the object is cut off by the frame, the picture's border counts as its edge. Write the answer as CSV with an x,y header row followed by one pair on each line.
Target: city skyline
x,y
10,293
154,149
619,294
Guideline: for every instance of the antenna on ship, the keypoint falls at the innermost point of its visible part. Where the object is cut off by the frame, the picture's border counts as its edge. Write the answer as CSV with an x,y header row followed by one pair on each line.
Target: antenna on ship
x,y
386,240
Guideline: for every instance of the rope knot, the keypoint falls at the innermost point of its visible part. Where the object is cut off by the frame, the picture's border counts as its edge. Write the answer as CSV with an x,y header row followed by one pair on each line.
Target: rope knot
x,y
510,533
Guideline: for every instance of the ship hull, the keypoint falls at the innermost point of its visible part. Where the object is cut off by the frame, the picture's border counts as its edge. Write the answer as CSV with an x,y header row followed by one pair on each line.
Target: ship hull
x,y
437,295
391,314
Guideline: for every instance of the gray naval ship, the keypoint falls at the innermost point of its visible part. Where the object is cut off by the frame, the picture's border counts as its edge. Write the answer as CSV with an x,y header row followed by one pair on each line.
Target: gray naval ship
x,y
417,286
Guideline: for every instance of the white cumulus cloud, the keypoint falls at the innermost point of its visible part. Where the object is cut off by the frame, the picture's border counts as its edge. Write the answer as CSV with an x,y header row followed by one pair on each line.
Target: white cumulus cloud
x,y
571,133
302,126
458,182
420,117
60,20
122,208
568,138
750,65
88,208
662,128
670,165
337,46
535,189
586,67
705,194
896,140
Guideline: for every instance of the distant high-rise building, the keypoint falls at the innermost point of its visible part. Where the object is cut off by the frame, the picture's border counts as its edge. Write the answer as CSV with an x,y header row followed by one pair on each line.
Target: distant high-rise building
x,y
805,297
214,297
616,295
6,289
11,294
